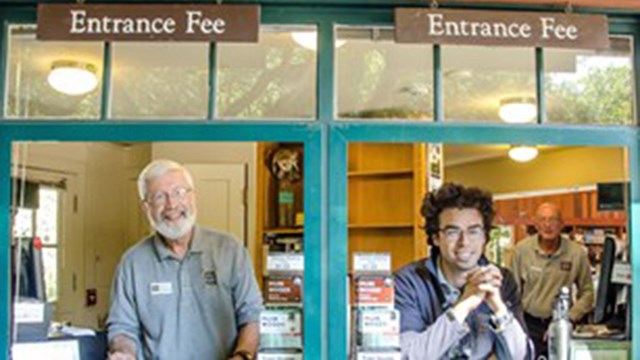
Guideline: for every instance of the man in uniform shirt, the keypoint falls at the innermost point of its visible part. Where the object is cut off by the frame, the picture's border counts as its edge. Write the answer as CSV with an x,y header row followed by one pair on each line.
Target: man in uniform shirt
x,y
184,292
542,264
454,304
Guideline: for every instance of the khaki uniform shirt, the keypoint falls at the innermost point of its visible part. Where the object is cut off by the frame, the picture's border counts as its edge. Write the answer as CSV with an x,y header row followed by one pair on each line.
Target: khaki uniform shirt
x,y
540,276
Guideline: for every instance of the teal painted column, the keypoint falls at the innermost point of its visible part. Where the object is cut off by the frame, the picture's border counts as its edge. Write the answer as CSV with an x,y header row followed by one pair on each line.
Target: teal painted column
x,y
634,243
5,244
314,247
338,247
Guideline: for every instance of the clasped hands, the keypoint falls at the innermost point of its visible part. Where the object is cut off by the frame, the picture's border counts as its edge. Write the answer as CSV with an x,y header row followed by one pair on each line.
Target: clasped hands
x,y
483,284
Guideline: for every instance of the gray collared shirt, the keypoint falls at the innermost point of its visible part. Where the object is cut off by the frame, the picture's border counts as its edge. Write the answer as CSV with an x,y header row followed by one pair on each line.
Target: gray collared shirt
x,y
189,308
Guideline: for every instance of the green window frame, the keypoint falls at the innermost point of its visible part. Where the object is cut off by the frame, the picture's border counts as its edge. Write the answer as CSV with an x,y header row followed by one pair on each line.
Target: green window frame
x,y
325,142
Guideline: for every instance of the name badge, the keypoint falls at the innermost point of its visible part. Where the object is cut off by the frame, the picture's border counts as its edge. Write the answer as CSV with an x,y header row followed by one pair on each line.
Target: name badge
x,y
161,288
210,278
565,265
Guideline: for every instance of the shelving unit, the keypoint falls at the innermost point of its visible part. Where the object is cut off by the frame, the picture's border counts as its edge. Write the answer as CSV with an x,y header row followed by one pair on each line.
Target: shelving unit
x,y
386,183
267,203
579,210
580,216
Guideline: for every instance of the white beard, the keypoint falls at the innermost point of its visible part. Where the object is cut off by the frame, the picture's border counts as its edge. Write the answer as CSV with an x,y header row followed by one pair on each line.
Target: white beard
x,y
174,232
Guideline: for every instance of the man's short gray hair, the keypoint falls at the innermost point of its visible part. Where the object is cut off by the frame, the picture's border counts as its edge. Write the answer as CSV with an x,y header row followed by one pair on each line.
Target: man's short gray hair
x,y
156,169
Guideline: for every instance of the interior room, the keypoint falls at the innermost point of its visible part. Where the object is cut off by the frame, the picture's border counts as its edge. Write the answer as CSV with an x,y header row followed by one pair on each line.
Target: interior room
x,y
80,202
387,185
313,131
88,210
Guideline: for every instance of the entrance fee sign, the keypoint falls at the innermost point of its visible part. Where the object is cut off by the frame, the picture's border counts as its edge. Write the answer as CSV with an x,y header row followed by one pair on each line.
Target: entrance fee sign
x,y
501,28
139,22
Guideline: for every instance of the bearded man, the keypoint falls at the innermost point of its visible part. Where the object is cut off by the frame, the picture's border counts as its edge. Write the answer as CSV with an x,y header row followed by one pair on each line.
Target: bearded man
x,y
184,292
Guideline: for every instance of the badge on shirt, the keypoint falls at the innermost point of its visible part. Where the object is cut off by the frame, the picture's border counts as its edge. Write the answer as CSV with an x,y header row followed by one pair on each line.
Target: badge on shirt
x,y
209,276
565,265
161,288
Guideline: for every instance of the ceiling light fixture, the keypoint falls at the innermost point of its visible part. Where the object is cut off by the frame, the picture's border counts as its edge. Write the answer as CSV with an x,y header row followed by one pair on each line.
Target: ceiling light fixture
x,y
523,153
73,77
309,39
518,110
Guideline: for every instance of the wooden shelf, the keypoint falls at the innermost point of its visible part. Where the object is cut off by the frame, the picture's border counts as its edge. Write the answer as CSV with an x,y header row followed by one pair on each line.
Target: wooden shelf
x,y
386,183
381,173
406,225
573,222
285,231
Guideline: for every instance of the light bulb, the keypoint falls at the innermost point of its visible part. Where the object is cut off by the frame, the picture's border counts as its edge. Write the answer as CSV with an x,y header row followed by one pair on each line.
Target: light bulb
x,y
518,110
523,153
72,77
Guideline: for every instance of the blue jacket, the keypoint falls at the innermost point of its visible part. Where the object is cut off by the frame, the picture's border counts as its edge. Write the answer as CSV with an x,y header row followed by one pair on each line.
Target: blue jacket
x,y
428,333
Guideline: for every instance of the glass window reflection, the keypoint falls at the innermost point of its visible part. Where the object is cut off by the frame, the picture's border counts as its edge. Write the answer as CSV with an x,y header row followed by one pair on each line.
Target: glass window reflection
x,y
478,81
589,86
273,79
380,79
35,90
160,81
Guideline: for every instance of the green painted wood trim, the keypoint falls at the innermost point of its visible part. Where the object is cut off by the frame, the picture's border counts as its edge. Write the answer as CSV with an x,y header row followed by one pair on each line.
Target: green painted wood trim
x,y
212,82
634,244
325,70
105,99
438,85
315,245
541,99
526,134
338,248
5,244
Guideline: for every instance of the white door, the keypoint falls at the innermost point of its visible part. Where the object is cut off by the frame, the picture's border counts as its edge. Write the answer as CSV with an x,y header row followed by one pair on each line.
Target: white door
x,y
58,223
220,197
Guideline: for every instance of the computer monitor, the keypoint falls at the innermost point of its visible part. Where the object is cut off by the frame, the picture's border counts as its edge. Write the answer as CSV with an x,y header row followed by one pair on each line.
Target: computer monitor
x,y
29,272
612,196
607,311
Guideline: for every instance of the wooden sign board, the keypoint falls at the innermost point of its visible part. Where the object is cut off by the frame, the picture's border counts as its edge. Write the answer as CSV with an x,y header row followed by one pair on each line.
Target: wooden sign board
x,y
501,28
158,22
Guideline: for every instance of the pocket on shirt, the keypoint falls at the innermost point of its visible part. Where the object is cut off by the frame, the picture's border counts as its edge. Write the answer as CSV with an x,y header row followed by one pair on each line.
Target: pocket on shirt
x,y
159,307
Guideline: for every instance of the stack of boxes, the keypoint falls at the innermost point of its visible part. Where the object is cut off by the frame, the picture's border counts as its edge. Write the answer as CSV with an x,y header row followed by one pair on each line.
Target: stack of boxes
x,y
377,323
281,321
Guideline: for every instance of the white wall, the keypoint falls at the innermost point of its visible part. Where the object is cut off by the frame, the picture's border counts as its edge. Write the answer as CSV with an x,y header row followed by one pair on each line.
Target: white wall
x,y
108,219
93,235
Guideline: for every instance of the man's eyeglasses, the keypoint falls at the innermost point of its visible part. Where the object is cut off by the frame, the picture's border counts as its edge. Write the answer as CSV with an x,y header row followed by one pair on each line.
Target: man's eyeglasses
x,y
549,220
161,198
473,233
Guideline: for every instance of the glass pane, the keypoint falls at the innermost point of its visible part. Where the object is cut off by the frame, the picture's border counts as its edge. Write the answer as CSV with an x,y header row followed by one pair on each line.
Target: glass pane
x,y
477,80
588,86
160,81
23,223
47,216
35,90
273,79
50,264
377,78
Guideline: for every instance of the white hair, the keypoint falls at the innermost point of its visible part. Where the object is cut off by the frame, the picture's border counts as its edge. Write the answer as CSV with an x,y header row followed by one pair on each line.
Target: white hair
x,y
156,169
